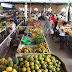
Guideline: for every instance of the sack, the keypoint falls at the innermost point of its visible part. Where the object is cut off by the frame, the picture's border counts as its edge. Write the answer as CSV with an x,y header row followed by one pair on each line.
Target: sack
x,y
51,31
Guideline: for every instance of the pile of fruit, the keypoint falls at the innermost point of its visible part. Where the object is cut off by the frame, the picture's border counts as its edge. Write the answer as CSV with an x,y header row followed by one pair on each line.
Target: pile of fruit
x,y
33,63
39,39
20,15
34,35
1,27
25,50
42,48
67,29
33,29
4,23
37,26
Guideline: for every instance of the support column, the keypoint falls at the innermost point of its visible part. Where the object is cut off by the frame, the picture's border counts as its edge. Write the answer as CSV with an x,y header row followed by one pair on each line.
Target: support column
x,y
26,9
30,13
67,10
67,13
30,6
44,10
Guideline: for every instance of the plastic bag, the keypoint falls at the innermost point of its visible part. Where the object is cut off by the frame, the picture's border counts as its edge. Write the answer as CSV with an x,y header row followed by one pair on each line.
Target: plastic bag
x,y
51,31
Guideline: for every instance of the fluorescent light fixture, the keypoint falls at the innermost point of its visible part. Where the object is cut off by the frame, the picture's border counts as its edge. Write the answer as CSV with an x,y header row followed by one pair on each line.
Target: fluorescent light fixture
x,y
6,5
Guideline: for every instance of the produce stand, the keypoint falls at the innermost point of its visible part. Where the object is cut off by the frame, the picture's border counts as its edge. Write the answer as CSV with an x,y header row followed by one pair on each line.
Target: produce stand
x,y
4,44
36,62
69,41
29,54
21,45
33,22
69,37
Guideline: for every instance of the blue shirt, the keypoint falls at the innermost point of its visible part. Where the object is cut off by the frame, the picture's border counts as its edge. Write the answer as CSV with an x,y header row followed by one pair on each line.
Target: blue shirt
x,y
47,14
15,20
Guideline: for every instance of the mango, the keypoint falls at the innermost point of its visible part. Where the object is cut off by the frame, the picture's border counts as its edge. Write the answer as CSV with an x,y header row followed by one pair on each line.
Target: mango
x,y
10,64
16,61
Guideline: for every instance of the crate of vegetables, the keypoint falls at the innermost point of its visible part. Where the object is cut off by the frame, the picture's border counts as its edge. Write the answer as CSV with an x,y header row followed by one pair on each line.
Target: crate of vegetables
x,y
33,63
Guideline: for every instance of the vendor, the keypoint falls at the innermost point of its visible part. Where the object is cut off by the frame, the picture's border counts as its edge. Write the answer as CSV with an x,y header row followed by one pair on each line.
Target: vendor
x,y
12,29
62,35
15,20
12,26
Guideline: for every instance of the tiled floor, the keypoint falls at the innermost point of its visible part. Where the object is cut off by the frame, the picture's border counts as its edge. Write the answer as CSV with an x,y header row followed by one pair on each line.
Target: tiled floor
x,y
65,56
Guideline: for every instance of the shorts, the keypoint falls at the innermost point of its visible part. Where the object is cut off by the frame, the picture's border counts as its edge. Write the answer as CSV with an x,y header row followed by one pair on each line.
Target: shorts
x,y
62,38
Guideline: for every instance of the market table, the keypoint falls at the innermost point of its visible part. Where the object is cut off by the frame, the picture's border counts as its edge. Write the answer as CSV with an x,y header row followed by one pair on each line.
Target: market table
x,y
21,45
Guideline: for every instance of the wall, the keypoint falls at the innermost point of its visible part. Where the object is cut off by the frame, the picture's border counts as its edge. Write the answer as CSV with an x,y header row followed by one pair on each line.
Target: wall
x,y
41,7
60,7
17,6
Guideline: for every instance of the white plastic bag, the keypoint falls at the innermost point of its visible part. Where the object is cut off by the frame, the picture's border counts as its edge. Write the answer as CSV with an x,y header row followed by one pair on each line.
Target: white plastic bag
x,y
51,31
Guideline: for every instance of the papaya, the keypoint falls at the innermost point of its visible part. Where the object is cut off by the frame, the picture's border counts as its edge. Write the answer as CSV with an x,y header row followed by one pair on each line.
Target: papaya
x,y
16,61
10,63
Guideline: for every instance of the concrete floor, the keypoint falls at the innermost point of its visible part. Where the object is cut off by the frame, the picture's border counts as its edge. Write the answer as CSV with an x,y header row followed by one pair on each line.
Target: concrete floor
x,y
65,56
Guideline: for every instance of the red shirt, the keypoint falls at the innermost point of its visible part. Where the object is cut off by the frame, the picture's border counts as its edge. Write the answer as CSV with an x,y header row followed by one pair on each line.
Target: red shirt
x,y
53,18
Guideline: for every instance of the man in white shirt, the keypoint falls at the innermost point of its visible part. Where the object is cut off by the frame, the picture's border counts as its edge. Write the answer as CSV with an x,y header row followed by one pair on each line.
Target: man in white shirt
x,y
49,26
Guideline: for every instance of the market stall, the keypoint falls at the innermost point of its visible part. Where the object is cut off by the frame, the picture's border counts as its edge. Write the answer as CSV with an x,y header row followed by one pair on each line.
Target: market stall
x,y
68,28
33,22
30,59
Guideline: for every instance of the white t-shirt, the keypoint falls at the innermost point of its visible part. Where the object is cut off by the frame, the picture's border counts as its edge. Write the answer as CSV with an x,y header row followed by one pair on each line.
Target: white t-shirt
x,y
49,24
13,26
61,32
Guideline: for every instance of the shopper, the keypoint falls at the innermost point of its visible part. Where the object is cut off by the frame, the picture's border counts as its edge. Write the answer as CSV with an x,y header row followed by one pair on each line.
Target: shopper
x,y
15,20
49,27
55,30
62,35
53,18
47,14
34,15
